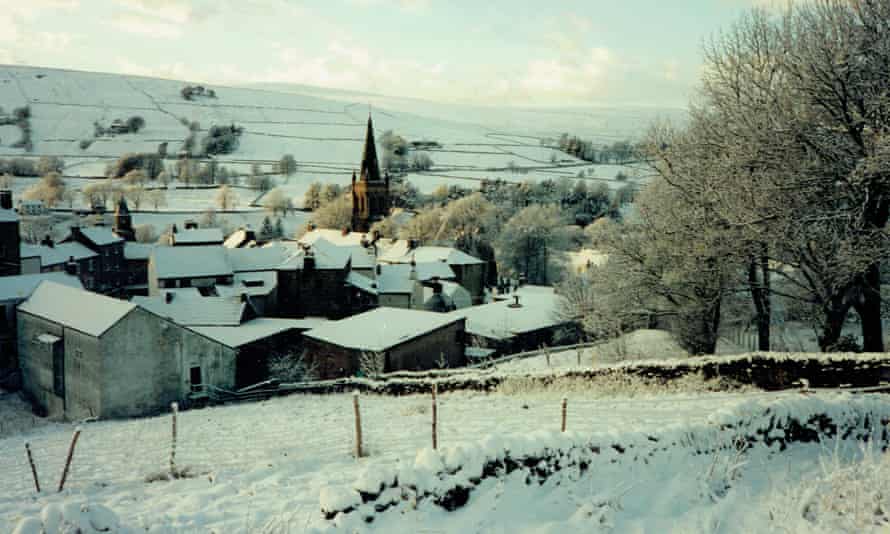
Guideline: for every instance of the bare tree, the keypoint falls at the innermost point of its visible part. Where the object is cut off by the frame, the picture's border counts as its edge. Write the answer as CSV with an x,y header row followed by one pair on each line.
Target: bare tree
x,y
372,364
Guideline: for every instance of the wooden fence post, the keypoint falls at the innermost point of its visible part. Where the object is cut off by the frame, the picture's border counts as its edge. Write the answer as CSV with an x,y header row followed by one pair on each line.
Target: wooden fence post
x,y
174,407
358,425
435,437
68,460
579,357
33,468
564,401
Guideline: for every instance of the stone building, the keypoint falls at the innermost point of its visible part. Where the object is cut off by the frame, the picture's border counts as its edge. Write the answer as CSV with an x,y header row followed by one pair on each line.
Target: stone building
x,y
397,339
10,238
71,257
86,355
370,193
13,291
469,271
109,275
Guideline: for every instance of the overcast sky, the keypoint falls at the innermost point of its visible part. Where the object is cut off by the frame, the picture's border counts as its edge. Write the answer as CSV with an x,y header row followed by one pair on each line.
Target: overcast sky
x,y
517,52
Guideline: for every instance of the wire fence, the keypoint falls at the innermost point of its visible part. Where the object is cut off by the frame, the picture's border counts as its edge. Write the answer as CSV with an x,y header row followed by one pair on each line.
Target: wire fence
x,y
318,430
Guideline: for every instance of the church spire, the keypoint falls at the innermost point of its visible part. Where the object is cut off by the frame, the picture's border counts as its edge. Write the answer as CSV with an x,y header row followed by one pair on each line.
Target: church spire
x,y
370,171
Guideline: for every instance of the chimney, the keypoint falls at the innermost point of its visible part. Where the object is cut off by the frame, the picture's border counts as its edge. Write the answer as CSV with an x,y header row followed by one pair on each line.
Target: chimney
x,y
515,303
168,297
378,269
174,229
71,266
412,244
191,224
376,236
75,233
47,241
437,287
345,230
309,260
244,298
413,275
6,199
310,226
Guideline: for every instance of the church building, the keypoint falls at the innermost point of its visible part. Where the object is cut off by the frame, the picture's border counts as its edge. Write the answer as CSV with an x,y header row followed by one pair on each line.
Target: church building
x,y
370,192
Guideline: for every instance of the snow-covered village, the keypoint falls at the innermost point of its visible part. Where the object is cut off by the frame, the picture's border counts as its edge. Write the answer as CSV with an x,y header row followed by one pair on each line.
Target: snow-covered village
x,y
411,266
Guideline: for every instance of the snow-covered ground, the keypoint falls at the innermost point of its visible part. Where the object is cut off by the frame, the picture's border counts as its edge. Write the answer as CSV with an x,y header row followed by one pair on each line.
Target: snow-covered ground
x,y
261,467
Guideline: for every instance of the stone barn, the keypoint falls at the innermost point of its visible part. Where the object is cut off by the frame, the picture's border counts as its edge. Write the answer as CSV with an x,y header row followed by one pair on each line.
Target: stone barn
x,y
86,355
394,338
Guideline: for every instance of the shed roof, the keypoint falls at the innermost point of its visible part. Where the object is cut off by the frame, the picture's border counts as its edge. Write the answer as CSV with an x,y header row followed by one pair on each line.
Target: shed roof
x,y
88,312
255,330
381,329
191,262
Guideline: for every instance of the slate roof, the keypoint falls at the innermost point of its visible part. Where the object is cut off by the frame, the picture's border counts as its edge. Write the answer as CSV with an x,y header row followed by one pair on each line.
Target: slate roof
x,y
191,262
401,252
100,236
138,251
269,258
196,310
255,330
58,253
500,320
20,287
8,216
380,329
198,236
362,282
88,312
396,277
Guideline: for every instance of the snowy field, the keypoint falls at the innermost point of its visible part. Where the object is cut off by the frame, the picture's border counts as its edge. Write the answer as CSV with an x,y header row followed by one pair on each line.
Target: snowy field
x,y
262,467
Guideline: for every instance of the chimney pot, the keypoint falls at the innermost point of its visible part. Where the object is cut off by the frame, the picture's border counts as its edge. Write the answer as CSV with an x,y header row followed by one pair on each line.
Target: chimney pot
x,y
168,297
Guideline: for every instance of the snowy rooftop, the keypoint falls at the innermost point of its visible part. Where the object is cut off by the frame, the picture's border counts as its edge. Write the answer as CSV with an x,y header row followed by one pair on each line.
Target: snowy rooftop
x,y
238,238
396,277
269,258
362,282
8,216
257,329
380,329
501,320
204,236
401,252
196,310
335,237
185,262
57,254
21,287
90,313
100,236
453,292
254,284
138,251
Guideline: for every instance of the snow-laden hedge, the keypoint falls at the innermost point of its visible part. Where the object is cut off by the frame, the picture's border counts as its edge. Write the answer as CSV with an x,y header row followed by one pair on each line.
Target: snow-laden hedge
x,y
448,477
70,518
769,371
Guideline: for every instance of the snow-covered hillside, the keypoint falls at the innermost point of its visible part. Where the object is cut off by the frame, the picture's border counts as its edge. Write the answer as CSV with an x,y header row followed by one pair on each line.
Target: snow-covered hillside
x,y
324,134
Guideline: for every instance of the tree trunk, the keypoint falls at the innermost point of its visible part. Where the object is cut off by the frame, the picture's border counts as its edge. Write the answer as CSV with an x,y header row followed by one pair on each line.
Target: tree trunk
x,y
835,315
760,294
869,310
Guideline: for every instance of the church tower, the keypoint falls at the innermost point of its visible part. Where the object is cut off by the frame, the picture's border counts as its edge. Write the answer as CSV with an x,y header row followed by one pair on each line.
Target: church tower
x,y
370,192
123,221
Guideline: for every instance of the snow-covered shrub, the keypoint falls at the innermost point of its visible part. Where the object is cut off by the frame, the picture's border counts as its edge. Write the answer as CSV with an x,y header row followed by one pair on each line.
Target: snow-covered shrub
x,y
71,518
289,366
853,497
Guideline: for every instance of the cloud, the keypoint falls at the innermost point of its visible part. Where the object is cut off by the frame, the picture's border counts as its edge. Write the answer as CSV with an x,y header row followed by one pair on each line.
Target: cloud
x,y
407,5
163,18
130,23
